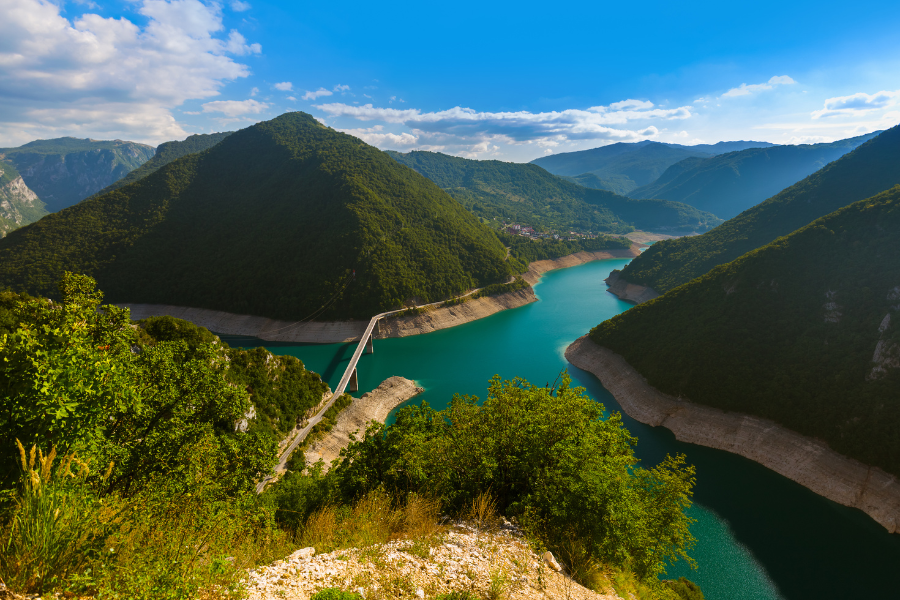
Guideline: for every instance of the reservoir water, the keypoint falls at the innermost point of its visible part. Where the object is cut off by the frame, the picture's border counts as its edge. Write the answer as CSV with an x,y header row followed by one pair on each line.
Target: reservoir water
x,y
760,536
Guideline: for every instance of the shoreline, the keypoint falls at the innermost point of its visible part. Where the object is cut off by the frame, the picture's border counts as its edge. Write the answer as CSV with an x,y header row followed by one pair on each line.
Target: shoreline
x,y
330,332
805,460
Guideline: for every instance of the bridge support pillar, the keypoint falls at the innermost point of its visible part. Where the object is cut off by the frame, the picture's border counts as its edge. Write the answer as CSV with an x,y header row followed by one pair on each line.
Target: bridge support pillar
x,y
370,347
353,384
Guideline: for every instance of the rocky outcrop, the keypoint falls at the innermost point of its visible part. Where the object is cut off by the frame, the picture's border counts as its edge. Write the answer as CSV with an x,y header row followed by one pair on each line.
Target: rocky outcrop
x,y
19,205
807,461
630,292
372,406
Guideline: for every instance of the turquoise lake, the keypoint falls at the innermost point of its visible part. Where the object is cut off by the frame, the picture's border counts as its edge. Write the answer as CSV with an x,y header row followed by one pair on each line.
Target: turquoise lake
x,y
760,536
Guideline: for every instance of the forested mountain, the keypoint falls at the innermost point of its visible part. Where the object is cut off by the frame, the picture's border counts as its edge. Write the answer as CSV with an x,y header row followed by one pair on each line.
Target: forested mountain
x,y
625,166
66,170
871,168
729,184
18,204
287,219
166,153
528,194
804,331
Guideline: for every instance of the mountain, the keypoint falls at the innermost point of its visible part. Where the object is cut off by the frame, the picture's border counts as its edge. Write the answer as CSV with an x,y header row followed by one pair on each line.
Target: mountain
x,y
18,204
731,183
67,170
804,331
286,219
528,194
626,166
166,153
871,168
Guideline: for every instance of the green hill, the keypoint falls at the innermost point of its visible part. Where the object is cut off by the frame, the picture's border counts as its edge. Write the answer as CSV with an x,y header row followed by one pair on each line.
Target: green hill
x,y
731,183
528,194
804,331
166,153
18,204
626,166
871,168
272,221
64,171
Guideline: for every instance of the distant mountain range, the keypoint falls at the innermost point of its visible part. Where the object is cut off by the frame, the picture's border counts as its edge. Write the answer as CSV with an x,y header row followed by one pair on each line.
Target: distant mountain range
x,y
869,169
166,153
287,219
804,331
64,171
528,194
730,183
622,167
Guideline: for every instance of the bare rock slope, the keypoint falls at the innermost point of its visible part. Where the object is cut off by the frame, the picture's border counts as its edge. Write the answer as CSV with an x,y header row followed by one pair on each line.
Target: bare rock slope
x,y
807,461
372,406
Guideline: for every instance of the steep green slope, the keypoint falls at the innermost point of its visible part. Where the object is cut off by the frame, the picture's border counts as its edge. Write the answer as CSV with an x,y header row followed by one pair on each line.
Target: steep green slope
x,y
166,153
64,171
731,183
871,168
18,204
272,221
528,194
624,167
804,331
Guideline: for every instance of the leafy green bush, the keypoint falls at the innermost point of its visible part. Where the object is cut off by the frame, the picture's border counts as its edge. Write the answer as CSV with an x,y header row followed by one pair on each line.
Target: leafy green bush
x,y
335,594
686,589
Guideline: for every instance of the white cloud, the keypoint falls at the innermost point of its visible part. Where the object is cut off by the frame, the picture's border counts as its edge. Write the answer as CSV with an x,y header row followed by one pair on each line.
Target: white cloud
x,y
106,77
317,94
857,104
745,89
254,91
292,99
235,108
341,88
376,136
284,86
238,6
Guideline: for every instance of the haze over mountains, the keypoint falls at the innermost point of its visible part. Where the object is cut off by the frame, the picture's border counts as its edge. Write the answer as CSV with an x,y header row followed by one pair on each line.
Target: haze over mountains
x,y
527,194
66,170
622,167
730,183
869,169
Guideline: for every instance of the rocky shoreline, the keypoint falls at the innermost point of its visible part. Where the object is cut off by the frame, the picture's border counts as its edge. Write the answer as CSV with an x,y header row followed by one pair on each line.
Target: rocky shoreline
x,y
808,461
630,292
330,332
372,406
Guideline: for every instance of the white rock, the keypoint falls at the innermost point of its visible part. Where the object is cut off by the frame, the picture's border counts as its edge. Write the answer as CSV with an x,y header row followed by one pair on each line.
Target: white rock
x,y
302,554
420,593
551,562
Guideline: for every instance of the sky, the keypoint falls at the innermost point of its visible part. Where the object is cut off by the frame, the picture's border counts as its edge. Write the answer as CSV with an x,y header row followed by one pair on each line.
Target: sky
x,y
489,80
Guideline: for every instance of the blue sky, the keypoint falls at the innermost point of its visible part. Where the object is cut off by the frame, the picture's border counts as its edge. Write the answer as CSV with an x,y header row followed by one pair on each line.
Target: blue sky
x,y
511,81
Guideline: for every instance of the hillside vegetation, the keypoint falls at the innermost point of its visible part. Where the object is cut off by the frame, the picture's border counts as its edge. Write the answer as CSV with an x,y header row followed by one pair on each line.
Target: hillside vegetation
x,y
625,166
287,219
871,168
127,471
528,194
731,183
166,153
64,171
804,331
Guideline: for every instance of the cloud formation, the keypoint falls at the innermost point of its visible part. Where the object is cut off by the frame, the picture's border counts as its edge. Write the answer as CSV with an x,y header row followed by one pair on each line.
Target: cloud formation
x,y
284,86
317,94
857,104
235,108
466,131
103,76
745,89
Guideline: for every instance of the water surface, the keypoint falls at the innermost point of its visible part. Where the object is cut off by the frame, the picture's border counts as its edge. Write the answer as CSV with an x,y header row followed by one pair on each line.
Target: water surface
x,y
761,536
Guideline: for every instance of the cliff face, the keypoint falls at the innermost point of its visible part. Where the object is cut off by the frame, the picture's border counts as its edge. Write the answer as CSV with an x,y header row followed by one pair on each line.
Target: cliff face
x,y
805,460
630,292
62,178
19,205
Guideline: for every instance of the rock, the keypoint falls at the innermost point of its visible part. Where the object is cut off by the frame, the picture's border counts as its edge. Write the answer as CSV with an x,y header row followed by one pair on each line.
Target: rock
x,y
551,562
302,554
420,593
